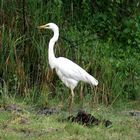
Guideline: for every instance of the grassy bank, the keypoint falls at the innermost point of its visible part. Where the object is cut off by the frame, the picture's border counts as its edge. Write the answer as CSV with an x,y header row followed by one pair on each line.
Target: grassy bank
x,y
24,122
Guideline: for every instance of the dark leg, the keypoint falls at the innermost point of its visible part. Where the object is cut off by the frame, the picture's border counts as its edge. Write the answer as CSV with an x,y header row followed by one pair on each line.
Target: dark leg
x,y
71,101
81,95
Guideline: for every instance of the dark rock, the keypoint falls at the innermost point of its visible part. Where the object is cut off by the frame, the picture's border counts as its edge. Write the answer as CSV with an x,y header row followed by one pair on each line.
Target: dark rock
x,y
107,123
87,119
12,107
134,113
47,111
23,121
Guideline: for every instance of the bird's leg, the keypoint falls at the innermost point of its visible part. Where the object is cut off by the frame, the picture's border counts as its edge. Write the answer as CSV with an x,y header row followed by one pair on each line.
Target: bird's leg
x,y
71,101
81,95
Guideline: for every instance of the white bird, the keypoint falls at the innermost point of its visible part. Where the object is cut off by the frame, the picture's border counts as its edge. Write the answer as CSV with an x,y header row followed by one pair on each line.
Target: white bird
x,y
69,72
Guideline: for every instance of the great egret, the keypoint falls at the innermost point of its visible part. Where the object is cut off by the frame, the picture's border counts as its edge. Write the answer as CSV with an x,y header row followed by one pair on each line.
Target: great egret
x,y
69,72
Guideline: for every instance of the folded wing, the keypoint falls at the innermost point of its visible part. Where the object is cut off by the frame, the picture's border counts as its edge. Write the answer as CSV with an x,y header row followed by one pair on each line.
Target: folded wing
x,y
71,70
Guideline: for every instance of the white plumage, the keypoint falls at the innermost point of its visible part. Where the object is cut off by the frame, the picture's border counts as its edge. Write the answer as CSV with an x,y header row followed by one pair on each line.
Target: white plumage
x,y
69,72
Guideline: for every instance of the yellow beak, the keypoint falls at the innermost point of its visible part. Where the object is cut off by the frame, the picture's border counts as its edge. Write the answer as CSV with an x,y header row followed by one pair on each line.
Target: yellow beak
x,y
42,27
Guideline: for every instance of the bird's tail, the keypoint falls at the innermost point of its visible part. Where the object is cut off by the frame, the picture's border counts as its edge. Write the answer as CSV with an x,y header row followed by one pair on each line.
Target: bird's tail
x,y
91,80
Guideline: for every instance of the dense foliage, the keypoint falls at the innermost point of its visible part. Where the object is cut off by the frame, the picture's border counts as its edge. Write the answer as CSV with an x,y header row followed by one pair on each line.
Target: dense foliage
x,y
102,36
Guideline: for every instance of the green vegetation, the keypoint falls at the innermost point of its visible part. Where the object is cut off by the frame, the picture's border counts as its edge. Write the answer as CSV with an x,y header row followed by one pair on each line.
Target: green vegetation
x,y
102,36
25,123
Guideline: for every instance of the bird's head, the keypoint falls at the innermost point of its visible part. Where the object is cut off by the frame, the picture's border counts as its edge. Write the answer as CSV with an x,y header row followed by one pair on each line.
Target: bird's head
x,y
51,26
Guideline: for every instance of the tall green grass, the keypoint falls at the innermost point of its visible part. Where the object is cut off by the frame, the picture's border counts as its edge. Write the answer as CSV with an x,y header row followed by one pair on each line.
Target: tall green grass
x,y
24,65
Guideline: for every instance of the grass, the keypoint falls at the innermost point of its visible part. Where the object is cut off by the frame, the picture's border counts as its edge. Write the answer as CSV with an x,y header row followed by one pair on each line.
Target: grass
x,y
24,72
24,50
27,124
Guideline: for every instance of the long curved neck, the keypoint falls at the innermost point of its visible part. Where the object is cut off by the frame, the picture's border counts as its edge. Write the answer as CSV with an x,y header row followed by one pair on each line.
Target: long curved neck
x,y
51,56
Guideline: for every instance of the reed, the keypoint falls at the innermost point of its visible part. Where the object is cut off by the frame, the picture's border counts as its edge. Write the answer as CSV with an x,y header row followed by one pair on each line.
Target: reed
x,y
23,53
